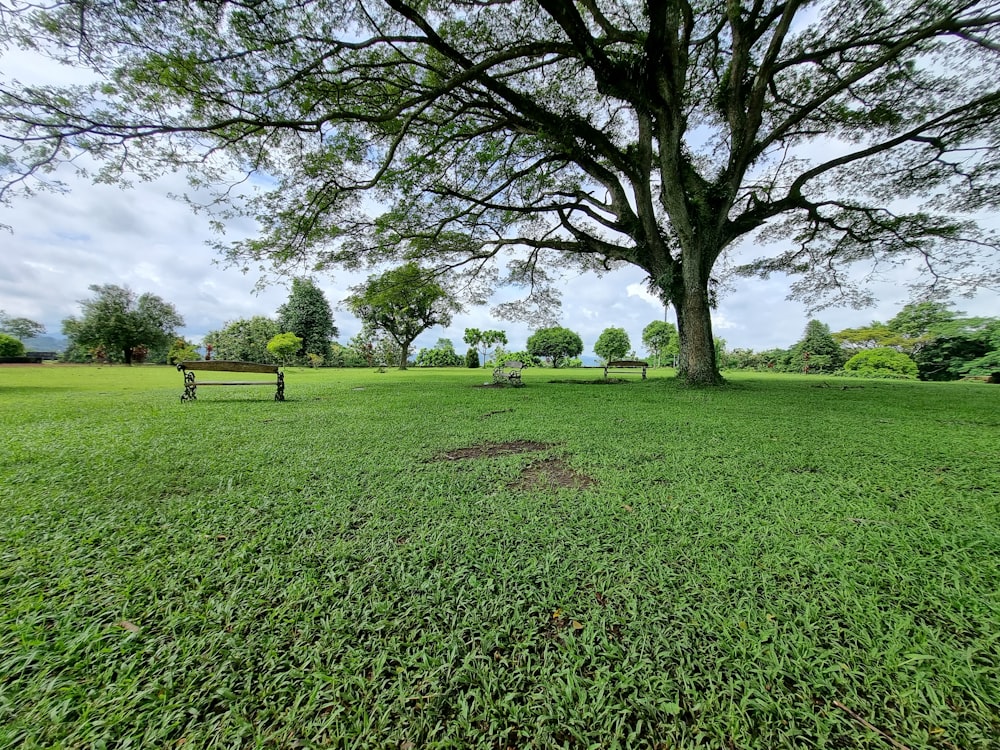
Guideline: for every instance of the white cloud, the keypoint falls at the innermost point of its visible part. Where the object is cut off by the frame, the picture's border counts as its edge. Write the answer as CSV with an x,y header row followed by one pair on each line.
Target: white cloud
x,y
721,323
643,293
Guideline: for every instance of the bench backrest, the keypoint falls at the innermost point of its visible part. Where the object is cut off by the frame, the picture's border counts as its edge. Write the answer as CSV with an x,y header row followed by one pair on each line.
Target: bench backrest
x,y
513,365
627,363
226,365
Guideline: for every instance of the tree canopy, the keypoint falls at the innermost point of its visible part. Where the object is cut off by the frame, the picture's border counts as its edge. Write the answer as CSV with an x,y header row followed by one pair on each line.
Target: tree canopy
x,y
817,351
661,340
119,322
555,344
881,363
10,346
284,346
403,302
20,328
534,135
613,343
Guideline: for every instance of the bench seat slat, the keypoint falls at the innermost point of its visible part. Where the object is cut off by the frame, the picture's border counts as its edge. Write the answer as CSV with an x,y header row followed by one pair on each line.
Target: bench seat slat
x,y
224,365
191,382
201,383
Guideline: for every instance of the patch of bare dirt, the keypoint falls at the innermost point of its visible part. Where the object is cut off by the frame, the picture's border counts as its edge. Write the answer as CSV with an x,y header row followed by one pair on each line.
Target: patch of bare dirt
x,y
551,473
492,450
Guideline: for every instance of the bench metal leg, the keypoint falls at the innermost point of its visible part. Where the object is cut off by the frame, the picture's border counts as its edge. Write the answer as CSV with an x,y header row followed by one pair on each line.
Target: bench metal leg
x,y
190,388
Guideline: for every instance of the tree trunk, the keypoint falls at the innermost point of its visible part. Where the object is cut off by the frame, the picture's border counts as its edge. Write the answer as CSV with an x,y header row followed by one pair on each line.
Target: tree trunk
x,y
690,297
405,350
128,356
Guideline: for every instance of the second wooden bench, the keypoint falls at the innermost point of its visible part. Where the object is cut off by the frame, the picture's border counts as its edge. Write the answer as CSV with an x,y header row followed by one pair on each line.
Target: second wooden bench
x,y
625,366
224,365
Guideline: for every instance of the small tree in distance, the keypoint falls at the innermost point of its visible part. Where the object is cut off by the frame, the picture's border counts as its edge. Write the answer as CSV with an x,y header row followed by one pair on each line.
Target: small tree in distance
x,y
613,343
284,346
555,344
817,351
20,328
881,363
661,341
182,350
403,302
483,340
307,314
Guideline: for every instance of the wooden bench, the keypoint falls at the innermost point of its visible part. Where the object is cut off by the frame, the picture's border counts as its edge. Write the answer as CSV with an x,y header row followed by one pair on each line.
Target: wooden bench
x,y
509,372
223,365
625,366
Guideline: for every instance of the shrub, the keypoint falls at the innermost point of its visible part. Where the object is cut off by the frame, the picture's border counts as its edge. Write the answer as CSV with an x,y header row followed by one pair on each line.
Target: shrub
x,y
182,351
284,345
10,346
472,359
438,358
881,363
523,357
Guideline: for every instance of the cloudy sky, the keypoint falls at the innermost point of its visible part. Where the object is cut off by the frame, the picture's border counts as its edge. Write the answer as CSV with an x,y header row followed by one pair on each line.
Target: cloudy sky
x,y
141,238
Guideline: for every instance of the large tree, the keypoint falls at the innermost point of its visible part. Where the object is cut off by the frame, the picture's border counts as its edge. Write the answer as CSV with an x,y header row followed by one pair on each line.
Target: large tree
x,y
119,321
550,133
403,302
307,314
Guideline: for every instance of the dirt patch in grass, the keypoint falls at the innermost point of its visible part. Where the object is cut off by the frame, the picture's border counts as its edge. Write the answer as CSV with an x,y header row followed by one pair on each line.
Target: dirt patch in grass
x,y
551,473
492,450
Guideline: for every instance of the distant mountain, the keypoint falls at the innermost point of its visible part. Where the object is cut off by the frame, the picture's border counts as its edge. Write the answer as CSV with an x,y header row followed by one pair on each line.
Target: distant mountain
x,y
46,344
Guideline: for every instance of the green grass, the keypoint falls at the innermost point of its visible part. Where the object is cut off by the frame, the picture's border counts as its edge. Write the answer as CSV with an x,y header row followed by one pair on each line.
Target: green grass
x,y
742,567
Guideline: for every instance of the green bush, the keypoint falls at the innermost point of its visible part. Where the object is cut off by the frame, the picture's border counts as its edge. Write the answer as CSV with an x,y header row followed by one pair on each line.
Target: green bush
x,y
438,358
284,345
182,351
881,363
10,346
472,359
523,357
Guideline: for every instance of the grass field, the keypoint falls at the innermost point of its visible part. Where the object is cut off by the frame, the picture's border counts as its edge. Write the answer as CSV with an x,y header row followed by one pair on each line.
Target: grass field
x,y
404,560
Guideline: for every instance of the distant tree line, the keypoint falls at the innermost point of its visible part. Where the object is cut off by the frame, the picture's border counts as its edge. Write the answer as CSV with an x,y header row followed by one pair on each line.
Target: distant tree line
x,y
925,340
